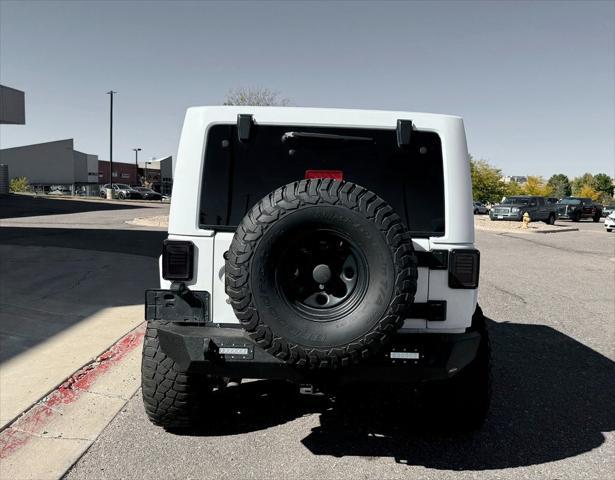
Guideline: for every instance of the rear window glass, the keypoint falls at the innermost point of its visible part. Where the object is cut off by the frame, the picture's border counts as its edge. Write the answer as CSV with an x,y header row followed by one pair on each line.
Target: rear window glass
x,y
236,175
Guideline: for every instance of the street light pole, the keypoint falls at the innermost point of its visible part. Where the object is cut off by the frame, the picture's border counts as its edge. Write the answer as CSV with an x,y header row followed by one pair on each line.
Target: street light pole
x,y
136,150
111,93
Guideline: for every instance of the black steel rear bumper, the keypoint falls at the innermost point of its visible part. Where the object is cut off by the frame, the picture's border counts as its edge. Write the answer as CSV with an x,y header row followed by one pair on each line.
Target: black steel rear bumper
x,y
229,352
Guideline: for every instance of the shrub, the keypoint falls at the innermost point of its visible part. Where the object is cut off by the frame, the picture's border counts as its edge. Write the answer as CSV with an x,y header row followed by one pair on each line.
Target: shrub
x,y
19,184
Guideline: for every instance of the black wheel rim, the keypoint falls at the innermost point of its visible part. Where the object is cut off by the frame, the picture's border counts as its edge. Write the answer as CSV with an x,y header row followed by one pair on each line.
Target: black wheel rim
x,y
322,275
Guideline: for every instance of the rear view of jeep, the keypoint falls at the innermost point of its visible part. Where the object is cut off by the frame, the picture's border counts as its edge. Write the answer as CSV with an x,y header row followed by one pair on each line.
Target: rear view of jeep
x,y
321,247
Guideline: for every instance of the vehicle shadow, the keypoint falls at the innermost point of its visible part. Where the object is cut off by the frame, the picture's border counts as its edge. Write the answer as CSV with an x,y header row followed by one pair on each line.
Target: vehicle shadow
x,y
16,206
253,406
552,400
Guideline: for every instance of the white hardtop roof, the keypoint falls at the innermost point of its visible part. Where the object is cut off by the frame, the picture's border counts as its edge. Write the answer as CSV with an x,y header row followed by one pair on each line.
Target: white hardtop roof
x,y
323,116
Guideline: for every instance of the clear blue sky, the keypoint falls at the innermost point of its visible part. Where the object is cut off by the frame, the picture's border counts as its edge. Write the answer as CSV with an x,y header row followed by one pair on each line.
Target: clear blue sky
x,y
533,80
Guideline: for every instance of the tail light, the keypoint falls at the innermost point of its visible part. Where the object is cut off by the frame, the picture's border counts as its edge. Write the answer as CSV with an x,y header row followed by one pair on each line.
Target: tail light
x,y
177,260
334,174
463,268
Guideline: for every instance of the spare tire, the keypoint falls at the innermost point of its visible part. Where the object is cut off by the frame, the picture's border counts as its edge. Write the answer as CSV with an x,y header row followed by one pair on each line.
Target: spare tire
x,y
321,272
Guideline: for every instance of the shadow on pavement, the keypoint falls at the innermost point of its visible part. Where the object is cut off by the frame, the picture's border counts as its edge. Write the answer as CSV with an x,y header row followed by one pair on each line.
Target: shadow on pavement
x,y
51,279
134,242
553,399
15,206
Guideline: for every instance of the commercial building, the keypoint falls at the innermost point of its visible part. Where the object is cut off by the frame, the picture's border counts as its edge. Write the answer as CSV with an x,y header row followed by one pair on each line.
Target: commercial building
x,y
156,174
12,106
53,164
122,173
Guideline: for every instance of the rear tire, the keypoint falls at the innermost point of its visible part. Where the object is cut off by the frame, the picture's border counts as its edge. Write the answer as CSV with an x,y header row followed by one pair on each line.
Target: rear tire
x,y
173,397
596,218
122,196
551,219
462,402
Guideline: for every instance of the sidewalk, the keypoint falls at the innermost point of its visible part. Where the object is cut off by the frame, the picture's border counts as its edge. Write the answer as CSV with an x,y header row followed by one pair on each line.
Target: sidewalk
x,y
59,309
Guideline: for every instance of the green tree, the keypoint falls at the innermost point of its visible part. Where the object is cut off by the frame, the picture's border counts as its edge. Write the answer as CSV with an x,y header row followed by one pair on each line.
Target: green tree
x,y
603,183
579,182
255,96
560,185
512,188
487,183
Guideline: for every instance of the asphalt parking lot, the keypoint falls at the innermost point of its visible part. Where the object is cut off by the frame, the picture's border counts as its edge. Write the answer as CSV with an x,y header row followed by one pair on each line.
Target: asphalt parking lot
x,y
551,304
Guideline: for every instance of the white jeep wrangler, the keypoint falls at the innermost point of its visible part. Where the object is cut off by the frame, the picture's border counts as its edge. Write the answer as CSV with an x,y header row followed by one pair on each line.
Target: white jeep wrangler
x,y
325,247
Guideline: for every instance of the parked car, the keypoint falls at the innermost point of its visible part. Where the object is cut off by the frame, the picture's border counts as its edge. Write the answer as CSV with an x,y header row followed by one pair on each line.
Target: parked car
x,y
59,190
577,208
479,208
609,222
608,209
319,275
513,208
121,191
148,193
552,200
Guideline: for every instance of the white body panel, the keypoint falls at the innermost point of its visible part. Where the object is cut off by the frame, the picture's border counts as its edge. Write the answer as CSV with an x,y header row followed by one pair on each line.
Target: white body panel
x,y
210,247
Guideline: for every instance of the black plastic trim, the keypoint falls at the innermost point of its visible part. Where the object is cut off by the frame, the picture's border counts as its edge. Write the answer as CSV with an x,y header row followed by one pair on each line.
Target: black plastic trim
x,y
180,305
434,259
433,310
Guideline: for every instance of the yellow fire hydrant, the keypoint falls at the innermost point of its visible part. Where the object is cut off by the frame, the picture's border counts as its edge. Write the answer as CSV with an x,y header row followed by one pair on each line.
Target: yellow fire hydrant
x,y
526,220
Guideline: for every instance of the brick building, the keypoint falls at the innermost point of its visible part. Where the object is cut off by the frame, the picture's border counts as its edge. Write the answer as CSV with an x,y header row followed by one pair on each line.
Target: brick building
x,y
122,173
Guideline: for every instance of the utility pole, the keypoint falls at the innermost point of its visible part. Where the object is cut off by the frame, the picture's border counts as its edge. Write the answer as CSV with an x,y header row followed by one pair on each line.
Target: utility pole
x,y
111,93
136,150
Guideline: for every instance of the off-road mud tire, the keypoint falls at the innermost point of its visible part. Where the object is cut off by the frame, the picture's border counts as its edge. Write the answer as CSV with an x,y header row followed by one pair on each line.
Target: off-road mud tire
x,y
174,398
269,218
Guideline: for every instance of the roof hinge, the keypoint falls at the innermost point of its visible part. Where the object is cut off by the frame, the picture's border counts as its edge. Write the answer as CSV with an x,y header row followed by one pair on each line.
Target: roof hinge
x,y
244,126
404,132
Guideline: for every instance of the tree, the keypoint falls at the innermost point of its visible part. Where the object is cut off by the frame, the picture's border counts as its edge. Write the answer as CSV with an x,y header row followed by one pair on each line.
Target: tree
x,y
560,185
589,191
19,184
603,183
513,188
487,183
256,96
579,182
536,186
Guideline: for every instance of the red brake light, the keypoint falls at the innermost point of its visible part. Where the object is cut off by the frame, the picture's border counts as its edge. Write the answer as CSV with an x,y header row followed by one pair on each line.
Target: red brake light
x,y
334,174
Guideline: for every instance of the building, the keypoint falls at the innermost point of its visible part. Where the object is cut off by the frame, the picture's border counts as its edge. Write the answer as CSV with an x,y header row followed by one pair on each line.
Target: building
x,y
157,174
520,179
122,173
53,164
12,106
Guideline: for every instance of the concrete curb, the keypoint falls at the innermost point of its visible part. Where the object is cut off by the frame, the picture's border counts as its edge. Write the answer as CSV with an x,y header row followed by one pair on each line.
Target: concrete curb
x,y
51,436
528,231
96,199
559,230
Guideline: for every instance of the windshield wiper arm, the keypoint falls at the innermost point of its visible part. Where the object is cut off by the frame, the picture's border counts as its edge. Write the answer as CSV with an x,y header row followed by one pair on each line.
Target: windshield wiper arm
x,y
298,136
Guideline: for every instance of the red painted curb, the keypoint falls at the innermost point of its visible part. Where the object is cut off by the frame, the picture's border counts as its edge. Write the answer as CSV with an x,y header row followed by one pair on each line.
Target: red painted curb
x,y
15,435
